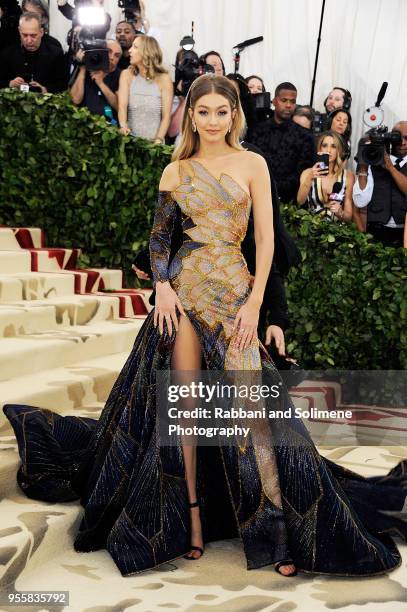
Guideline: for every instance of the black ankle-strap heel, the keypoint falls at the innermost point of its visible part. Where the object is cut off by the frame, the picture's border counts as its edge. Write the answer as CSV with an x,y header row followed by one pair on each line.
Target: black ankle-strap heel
x,y
198,548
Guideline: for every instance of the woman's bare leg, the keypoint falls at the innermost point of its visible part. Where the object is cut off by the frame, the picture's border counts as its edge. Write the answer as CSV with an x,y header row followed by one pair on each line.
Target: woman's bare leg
x,y
187,357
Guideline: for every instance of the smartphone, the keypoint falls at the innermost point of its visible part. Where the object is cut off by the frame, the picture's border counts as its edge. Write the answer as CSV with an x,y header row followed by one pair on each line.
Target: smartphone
x,y
323,161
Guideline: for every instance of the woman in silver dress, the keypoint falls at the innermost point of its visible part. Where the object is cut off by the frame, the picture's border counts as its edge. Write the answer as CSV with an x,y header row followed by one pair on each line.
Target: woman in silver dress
x,y
145,92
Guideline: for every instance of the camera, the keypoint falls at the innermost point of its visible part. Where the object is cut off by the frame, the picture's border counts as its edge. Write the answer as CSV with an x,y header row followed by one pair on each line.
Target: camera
x,y
319,123
372,153
262,102
129,7
190,68
96,54
377,140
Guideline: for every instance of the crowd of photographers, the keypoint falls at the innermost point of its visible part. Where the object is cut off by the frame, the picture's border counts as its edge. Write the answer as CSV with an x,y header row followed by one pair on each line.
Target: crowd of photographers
x,y
123,78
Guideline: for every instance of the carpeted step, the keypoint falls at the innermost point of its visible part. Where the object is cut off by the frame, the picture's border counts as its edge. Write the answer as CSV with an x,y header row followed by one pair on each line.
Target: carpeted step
x,y
57,348
21,238
37,285
33,532
15,261
54,259
11,289
25,317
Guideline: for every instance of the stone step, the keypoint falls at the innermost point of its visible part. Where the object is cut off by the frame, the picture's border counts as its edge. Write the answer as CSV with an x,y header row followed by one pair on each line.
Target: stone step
x,y
15,261
32,353
25,317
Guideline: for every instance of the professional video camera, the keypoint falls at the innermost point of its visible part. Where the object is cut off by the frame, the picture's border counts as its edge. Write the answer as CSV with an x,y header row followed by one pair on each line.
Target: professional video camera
x,y
262,105
319,123
378,139
96,51
190,66
129,7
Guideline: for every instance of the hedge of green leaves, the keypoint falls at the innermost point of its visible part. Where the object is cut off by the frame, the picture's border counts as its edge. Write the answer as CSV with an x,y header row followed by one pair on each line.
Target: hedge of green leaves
x,y
348,298
88,186
71,173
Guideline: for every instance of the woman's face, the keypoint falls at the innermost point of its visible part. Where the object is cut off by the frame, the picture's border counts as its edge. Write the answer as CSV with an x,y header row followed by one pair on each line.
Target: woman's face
x,y
215,61
255,86
302,120
136,52
340,123
335,100
328,145
213,117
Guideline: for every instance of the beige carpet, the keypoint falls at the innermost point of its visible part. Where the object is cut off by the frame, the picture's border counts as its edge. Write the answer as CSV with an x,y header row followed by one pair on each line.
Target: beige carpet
x,y
36,553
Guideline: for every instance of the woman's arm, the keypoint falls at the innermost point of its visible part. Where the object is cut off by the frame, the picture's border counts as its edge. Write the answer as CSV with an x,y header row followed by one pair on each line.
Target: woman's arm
x,y
167,94
123,99
260,190
247,318
305,186
167,301
347,210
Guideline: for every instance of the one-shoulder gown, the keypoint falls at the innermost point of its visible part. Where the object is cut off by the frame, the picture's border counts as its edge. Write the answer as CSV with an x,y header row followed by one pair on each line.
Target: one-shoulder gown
x,y
278,494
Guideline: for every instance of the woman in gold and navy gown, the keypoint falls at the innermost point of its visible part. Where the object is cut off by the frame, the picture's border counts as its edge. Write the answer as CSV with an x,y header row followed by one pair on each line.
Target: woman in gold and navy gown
x,y
289,505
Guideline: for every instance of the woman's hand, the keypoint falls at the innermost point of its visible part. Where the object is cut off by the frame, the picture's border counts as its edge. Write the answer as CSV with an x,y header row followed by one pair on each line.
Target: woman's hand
x,y
140,273
317,171
337,209
125,130
274,332
166,302
247,320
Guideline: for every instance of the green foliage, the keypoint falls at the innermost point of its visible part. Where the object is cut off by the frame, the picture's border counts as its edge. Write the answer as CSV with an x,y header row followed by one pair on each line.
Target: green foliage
x,y
347,299
68,171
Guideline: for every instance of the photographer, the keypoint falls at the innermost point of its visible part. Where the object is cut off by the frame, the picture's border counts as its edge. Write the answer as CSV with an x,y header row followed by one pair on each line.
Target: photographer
x,y
33,62
97,89
383,189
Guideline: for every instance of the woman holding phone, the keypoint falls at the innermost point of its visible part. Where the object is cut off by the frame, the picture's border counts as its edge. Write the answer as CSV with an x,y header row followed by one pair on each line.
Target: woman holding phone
x,y
327,186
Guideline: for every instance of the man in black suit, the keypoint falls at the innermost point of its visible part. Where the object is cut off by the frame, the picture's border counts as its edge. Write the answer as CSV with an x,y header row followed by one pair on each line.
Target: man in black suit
x,y
33,61
287,147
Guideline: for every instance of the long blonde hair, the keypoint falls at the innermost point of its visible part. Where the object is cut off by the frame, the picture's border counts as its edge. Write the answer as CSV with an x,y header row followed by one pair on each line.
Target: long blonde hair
x,y
202,86
152,57
340,149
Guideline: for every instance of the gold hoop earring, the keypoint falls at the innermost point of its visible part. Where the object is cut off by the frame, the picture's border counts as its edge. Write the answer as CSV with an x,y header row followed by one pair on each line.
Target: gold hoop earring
x,y
230,127
193,126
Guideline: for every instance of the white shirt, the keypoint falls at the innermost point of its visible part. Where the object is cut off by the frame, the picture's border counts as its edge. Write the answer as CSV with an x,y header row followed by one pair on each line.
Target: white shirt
x,y
362,197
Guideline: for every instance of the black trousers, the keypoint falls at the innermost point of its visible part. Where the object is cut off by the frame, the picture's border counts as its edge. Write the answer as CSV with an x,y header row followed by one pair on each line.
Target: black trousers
x,y
389,236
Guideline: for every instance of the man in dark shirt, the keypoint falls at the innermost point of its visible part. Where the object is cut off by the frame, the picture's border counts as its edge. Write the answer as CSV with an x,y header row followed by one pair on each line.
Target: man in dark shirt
x,y
33,61
125,35
287,147
97,89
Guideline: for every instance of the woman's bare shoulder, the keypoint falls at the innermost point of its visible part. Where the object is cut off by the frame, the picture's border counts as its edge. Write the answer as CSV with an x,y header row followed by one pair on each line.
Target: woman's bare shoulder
x,y
254,161
126,75
170,177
